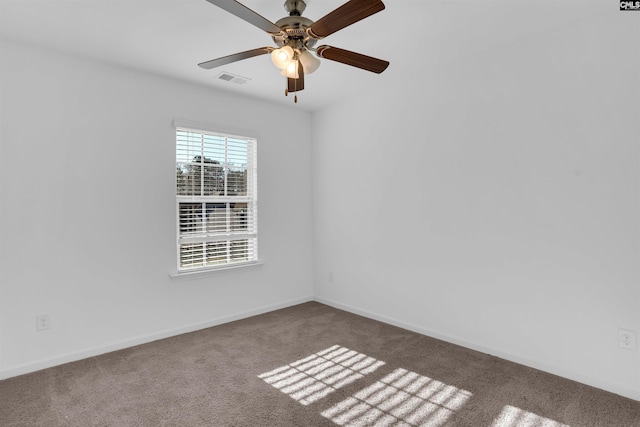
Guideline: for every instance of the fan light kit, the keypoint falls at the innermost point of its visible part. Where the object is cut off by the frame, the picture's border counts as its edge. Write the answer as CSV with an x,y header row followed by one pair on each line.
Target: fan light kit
x,y
296,37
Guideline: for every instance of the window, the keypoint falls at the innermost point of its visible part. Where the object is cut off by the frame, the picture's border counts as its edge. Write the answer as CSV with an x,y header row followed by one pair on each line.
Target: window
x,y
216,199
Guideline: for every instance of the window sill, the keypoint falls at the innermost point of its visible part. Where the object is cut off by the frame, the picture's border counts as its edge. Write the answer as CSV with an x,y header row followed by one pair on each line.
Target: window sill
x,y
205,272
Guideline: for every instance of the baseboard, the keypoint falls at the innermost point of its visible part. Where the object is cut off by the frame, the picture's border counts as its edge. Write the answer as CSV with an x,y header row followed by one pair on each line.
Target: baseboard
x,y
96,351
574,376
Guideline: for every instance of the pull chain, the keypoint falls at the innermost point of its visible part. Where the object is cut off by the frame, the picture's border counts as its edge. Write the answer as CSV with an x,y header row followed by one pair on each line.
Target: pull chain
x,y
295,89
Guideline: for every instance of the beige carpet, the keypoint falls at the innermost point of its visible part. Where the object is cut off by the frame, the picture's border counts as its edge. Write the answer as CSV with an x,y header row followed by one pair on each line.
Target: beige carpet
x,y
308,365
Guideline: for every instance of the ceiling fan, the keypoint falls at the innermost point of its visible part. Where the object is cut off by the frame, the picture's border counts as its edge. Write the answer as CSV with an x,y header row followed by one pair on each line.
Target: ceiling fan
x,y
296,37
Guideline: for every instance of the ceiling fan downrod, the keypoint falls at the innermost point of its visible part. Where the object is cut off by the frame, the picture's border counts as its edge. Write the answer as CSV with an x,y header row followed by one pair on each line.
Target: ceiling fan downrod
x,y
295,7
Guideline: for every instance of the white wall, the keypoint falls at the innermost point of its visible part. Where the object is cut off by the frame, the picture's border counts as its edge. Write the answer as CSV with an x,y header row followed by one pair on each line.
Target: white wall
x,y
494,200
88,209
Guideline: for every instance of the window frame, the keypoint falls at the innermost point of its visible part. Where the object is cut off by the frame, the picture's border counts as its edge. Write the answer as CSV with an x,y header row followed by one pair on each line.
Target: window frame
x,y
205,236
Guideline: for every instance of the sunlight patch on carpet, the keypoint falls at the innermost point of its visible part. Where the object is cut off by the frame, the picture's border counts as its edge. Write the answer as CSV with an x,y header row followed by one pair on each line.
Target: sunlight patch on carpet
x,y
402,398
516,417
314,377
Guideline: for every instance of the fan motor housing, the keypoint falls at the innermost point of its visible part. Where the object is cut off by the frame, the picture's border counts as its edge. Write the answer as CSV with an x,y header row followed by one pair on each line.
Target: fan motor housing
x,y
295,28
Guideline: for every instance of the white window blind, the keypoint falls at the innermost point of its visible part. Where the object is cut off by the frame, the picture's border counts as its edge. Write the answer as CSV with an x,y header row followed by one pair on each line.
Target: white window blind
x,y
216,199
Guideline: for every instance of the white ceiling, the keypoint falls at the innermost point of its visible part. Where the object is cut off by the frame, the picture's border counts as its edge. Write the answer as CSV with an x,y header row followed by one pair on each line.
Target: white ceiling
x,y
170,37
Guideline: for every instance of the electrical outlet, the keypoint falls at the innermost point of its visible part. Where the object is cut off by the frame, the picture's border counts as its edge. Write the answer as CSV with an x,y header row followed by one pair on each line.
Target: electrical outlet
x,y
43,321
627,339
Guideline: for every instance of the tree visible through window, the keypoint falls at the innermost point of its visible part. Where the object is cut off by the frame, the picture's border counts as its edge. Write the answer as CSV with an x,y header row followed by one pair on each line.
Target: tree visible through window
x,y
216,199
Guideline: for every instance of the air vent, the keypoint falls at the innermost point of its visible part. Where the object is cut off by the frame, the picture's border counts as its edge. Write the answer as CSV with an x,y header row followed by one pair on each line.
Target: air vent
x,y
228,77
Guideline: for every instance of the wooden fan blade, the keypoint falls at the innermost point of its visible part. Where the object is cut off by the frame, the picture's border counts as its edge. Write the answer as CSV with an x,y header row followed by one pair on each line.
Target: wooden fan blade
x,y
296,85
243,12
235,57
347,14
359,60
